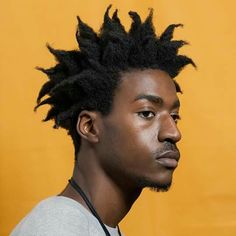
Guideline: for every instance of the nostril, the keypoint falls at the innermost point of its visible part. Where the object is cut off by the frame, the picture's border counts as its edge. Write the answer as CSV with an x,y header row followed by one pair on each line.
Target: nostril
x,y
168,130
169,135
170,145
169,140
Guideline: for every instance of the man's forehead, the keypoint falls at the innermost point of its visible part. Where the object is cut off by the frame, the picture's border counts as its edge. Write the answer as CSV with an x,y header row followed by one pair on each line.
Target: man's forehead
x,y
157,100
155,85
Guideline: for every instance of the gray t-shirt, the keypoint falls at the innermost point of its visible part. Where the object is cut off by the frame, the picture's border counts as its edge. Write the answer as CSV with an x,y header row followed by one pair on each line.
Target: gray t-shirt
x,y
60,216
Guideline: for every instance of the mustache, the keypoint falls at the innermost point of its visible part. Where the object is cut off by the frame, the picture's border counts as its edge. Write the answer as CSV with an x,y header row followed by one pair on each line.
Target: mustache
x,y
167,146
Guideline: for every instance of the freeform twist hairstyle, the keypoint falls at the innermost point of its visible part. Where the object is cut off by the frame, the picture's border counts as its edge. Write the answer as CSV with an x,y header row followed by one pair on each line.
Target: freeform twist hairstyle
x,y
87,78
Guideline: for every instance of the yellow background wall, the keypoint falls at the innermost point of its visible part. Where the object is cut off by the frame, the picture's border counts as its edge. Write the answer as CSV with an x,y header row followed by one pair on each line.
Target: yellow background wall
x,y
36,160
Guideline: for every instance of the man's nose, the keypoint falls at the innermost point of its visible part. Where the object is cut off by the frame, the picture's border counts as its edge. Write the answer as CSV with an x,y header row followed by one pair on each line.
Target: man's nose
x,y
169,130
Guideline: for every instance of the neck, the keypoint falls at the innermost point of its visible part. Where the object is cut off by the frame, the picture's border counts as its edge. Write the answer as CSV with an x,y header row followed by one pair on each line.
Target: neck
x,y
110,200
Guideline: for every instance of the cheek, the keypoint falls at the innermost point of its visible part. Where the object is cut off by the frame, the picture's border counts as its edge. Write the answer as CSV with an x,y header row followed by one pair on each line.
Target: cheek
x,y
131,138
144,136
133,144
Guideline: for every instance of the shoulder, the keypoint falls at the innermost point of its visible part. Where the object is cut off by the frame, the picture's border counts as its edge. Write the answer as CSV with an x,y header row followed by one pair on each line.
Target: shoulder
x,y
54,216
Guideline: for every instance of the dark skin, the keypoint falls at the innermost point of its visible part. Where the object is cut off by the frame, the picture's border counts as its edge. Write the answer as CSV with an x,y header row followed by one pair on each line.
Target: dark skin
x,y
133,147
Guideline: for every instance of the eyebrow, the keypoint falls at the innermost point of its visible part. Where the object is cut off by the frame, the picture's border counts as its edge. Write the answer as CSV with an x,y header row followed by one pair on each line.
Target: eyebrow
x,y
176,104
156,99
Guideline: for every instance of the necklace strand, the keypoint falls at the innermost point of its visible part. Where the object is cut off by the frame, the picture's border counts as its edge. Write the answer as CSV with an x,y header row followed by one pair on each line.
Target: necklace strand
x,y
90,206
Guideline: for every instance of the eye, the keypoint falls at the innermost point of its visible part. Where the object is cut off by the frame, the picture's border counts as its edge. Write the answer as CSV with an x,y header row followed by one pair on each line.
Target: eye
x,y
146,114
176,117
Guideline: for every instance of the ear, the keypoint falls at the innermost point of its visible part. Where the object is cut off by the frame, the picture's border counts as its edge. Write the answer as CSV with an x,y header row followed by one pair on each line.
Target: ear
x,y
87,126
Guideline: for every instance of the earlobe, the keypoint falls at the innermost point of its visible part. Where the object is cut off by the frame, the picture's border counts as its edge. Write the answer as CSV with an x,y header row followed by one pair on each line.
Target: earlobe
x,y
87,126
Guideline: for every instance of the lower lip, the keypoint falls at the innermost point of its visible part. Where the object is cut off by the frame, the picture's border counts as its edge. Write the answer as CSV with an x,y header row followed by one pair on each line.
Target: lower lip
x,y
168,162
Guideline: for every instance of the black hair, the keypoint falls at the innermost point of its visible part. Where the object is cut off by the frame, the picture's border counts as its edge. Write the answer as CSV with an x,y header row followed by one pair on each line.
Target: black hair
x,y
87,78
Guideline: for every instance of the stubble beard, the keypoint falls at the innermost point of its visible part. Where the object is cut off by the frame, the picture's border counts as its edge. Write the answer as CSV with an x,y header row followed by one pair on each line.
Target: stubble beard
x,y
154,186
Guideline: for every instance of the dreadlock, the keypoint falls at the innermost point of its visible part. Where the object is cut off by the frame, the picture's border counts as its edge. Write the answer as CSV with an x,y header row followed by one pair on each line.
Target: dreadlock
x,y
87,78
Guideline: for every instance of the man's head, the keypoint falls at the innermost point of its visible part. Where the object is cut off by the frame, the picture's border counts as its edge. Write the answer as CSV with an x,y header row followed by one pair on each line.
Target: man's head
x,y
118,94
137,139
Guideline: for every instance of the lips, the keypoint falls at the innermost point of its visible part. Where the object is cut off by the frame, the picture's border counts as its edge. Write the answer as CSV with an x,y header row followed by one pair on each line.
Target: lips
x,y
169,159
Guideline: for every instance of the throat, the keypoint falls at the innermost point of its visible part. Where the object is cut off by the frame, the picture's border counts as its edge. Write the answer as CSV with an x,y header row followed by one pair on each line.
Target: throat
x,y
110,204
110,200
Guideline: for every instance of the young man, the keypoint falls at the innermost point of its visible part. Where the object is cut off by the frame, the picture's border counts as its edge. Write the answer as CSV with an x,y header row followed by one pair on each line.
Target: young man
x,y
117,98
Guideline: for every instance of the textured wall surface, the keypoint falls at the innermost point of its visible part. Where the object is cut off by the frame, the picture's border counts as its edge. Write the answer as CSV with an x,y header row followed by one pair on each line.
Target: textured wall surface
x,y
36,161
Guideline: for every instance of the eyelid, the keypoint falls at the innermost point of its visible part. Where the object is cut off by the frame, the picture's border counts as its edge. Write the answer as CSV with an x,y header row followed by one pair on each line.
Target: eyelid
x,y
141,114
176,116
146,109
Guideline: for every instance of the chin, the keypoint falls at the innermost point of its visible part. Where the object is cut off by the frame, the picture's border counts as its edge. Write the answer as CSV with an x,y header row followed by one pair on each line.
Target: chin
x,y
160,188
156,184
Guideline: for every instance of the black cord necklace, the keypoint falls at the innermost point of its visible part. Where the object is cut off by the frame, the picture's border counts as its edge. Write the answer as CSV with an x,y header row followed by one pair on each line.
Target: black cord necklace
x,y
90,206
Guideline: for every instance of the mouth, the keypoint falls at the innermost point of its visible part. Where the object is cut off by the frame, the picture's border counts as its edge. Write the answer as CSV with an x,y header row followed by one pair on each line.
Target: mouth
x,y
169,159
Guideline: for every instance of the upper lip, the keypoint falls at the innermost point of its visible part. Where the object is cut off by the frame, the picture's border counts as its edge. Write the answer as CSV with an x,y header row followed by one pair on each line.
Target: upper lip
x,y
170,154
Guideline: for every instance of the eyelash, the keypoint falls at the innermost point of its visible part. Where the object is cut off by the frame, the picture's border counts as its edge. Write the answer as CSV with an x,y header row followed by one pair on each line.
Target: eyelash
x,y
145,115
176,117
142,114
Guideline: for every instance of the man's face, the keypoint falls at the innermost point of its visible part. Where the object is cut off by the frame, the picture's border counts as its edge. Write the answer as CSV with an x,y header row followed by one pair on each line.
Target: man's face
x,y
137,141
